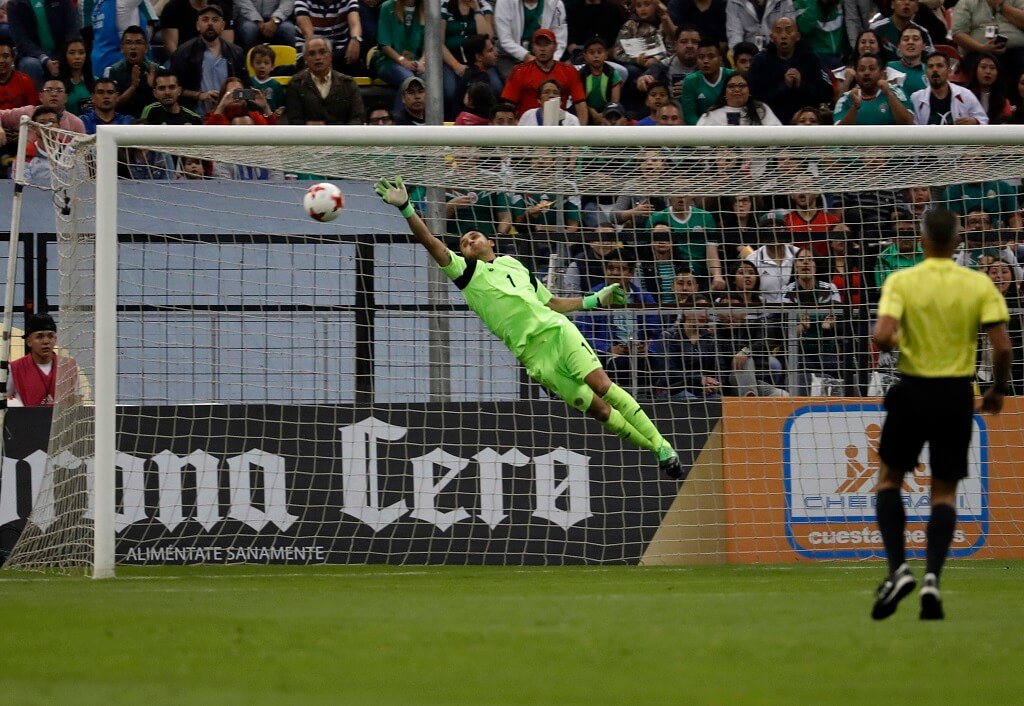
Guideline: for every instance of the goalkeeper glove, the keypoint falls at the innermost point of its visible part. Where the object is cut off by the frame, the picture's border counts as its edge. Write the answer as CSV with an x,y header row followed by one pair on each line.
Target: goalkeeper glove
x,y
612,295
395,194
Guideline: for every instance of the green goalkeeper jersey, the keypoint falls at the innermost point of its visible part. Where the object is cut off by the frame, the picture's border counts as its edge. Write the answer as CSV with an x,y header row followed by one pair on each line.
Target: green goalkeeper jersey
x,y
507,297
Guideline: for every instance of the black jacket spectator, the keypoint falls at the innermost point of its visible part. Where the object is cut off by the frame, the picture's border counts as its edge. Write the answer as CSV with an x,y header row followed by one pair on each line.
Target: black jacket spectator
x,y
187,62
768,82
24,29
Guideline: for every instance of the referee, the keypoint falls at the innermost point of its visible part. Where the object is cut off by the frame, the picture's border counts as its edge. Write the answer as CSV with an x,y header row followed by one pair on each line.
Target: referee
x,y
933,311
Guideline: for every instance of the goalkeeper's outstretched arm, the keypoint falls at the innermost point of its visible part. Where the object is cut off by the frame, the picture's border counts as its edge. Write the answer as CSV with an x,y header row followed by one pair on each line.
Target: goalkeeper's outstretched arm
x,y
396,195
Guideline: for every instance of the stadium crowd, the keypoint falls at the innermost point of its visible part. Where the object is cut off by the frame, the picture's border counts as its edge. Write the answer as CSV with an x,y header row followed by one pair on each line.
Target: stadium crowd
x,y
609,62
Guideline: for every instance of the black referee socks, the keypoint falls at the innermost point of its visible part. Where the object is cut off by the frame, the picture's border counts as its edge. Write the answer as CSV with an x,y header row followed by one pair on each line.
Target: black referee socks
x,y
941,525
891,520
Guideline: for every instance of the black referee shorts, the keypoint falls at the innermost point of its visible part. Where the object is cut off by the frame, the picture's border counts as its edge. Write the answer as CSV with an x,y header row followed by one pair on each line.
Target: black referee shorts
x,y
939,411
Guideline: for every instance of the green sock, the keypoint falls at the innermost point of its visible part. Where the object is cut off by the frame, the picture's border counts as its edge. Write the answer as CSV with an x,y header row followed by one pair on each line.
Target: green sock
x,y
623,429
634,415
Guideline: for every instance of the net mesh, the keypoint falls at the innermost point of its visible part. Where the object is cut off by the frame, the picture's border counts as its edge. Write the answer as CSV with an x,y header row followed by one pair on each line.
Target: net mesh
x,y
291,391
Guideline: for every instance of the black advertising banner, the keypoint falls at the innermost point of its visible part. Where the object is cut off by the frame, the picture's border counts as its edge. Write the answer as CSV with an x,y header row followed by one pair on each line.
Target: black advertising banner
x,y
501,483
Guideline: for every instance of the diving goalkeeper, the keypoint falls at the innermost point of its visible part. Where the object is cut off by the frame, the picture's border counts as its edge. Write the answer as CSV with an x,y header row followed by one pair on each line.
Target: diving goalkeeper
x,y
522,312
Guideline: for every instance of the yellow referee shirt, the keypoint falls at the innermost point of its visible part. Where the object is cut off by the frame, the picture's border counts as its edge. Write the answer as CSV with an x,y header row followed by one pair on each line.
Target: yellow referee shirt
x,y
940,306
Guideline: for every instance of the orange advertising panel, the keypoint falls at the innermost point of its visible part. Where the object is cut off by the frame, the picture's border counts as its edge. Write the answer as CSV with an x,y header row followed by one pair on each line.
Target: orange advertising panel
x,y
800,474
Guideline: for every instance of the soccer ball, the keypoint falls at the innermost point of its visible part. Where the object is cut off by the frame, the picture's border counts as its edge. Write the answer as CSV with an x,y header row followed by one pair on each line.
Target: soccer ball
x,y
323,202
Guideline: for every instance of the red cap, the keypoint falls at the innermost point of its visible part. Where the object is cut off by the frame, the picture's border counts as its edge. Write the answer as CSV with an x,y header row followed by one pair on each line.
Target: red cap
x,y
546,33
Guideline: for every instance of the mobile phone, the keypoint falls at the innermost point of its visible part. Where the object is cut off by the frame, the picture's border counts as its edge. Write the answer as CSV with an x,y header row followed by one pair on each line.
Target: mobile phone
x,y
1001,39
244,94
732,118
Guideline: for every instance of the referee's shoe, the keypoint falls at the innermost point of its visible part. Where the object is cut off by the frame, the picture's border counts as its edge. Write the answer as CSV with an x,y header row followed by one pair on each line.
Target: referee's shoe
x,y
891,591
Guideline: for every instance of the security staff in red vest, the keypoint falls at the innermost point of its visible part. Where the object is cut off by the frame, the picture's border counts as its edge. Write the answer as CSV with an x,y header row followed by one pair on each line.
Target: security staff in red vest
x,y
33,380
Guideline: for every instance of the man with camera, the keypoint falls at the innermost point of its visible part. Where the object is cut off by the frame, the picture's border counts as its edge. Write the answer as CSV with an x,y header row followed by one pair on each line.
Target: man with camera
x,y
991,28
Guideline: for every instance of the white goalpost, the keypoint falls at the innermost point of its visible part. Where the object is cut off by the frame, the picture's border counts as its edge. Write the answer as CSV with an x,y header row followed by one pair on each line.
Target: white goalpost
x,y
267,389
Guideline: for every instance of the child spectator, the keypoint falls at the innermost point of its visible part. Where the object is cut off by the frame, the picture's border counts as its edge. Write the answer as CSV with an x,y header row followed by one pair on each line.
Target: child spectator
x,y
479,102
600,80
658,266
262,57
643,38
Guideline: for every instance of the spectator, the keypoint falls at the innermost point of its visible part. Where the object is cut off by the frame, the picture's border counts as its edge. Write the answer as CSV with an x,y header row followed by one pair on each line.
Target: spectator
x,y
702,90
774,260
857,15
54,98
695,235
166,110
787,75
743,56
996,198
379,114
242,172
817,328
319,95
615,114
657,96
671,70
918,199
747,338
134,73
806,116
988,85
535,116
460,20
337,21
262,58
39,29
103,111
413,94
523,87
586,270
686,359
904,249
658,266
601,81
808,223
191,168
981,238
740,232
400,43
685,287
889,29
179,21
621,337
37,159
76,73
481,64
203,63
820,23
1016,100
593,18
537,221
643,39
942,102
845,271
707,16
236,100
516,24
265,22
867,211
504,114
867,43
751,21
630,213
670,115
873,101
107,21
735,106
17,89
1003,277
479,102
977,26
40,378
911,62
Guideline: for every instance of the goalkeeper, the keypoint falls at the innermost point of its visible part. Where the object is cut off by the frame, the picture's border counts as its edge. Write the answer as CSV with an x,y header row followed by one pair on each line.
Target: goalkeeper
x,y
522,312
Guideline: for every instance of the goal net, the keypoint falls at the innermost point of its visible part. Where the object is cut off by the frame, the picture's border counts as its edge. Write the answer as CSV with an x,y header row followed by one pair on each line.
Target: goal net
x,y
254,386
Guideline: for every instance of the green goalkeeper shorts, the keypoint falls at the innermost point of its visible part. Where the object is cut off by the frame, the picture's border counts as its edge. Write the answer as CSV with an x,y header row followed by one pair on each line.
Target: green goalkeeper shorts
x,y
559,359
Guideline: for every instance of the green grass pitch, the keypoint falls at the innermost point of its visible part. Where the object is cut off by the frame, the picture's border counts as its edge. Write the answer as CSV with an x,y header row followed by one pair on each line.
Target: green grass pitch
x,y
795,634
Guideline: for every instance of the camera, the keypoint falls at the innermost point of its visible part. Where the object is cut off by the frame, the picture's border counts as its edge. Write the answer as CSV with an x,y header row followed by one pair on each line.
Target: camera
x,y
244,94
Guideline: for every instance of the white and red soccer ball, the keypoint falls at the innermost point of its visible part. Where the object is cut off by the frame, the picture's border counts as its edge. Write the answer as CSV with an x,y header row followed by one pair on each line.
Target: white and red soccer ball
x,y
323,202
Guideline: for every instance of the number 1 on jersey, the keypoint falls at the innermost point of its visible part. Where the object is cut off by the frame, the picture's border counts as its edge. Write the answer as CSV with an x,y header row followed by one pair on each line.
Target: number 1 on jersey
x,y
510,280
